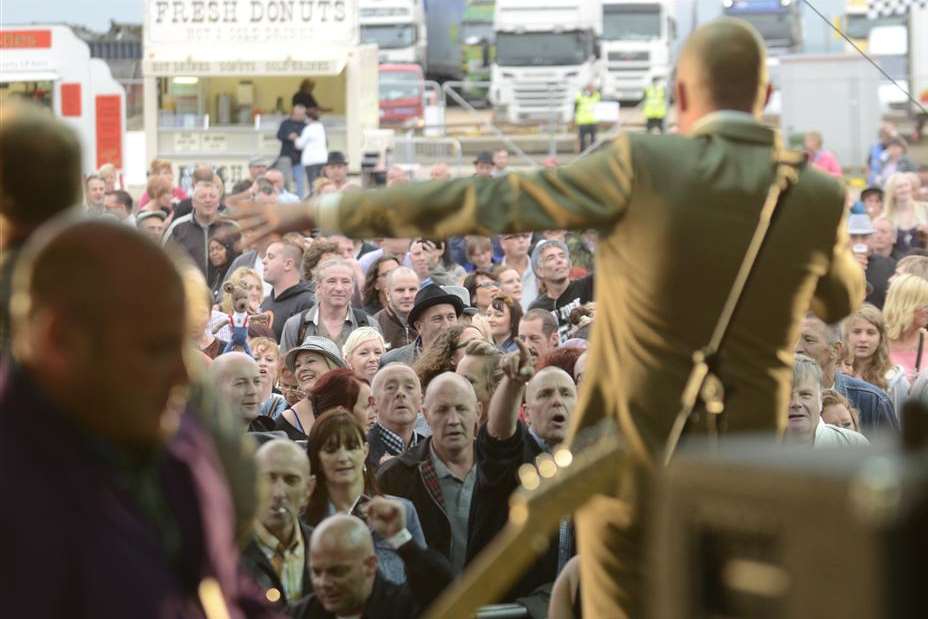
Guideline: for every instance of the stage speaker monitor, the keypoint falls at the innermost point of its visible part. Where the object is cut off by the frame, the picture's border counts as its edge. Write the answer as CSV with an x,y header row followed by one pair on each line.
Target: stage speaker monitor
x,y
763,531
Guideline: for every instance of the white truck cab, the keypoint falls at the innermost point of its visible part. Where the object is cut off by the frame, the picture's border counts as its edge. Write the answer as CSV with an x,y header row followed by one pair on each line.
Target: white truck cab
x,y
545,54
636,42
397,27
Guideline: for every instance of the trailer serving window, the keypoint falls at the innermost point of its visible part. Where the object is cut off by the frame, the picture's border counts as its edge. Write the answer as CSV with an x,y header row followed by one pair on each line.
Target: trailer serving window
x,y
39,91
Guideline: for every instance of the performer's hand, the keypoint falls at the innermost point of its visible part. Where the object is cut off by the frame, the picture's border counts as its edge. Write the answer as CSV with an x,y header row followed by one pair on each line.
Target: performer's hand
x,y
517,366
385,516
260,221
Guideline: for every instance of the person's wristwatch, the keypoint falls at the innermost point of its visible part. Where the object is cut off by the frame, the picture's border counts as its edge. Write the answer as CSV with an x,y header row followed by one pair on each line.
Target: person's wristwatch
x,y
399,539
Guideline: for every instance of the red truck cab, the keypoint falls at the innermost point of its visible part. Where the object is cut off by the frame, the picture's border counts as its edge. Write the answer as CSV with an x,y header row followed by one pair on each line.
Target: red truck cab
x,y
402,90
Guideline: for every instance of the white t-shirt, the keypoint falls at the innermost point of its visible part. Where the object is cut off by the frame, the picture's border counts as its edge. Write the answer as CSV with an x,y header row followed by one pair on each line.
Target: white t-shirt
x,y
312,143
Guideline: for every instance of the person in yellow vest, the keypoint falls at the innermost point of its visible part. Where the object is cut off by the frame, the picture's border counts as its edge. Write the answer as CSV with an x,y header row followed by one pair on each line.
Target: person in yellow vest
x,y
655,106
585,116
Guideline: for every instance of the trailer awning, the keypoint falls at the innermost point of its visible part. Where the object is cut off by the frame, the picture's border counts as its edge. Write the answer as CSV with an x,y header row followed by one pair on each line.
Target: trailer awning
x,y
328,65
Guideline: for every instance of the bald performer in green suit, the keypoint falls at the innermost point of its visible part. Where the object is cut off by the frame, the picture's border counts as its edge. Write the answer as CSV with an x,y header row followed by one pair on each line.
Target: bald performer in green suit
x,y
675,215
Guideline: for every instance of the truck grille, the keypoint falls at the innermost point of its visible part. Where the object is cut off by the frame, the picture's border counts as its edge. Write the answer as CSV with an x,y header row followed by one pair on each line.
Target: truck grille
x,y
628,56
540,94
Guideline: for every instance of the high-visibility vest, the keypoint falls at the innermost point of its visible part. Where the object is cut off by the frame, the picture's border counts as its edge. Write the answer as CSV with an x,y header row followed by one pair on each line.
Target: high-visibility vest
x,y
586,105
655,102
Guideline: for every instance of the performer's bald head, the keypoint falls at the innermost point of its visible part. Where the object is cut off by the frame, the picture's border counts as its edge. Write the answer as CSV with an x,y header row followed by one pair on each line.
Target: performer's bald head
x,y
98,318
723,66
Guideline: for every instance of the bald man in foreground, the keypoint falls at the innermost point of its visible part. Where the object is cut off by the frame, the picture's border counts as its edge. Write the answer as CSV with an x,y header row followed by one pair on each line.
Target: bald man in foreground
x,y
343,565
675,215
122,507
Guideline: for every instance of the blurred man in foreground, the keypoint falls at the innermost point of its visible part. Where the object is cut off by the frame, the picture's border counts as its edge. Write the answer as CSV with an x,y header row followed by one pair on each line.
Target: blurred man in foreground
x,y
95,429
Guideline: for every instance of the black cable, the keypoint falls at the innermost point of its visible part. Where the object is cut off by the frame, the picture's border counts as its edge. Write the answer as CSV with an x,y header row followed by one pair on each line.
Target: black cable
x,y
865,55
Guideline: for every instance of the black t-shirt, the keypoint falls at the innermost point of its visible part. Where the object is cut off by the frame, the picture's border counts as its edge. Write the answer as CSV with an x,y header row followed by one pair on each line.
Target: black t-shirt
x,y
578,292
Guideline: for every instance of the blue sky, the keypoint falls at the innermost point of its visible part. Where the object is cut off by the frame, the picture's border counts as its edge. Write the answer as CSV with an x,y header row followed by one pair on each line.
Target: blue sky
x,y
93,13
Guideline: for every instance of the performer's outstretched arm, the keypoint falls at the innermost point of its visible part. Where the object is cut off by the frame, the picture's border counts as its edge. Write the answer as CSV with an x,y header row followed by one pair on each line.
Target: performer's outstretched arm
x,y
591,193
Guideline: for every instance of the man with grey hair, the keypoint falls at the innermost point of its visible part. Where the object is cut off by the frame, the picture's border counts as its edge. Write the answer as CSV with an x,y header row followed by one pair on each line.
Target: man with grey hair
x,y
343,564
237,381
822,342
447,456
805,424
277,556
332,316
638,193
192,232
551,263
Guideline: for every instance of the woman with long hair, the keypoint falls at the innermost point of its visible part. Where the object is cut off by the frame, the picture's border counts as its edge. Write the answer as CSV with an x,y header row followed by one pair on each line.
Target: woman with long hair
x,y
867,347
504,315
905,212
337,449
906,314
374,293
309,362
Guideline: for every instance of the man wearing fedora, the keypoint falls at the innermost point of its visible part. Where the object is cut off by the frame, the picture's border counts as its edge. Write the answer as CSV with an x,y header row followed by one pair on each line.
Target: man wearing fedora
x,y
483,165
435,310
336,169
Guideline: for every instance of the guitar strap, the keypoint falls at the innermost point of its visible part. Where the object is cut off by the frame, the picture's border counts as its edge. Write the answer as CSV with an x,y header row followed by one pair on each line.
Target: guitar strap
x,y
704,384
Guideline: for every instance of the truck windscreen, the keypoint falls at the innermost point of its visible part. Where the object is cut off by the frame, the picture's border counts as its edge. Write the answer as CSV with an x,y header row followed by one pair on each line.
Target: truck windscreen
x,y
631,22
390,36
399,85
542,49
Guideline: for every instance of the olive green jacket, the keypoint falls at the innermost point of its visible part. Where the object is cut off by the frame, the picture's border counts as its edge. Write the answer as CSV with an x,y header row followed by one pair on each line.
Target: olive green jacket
x,y
675,216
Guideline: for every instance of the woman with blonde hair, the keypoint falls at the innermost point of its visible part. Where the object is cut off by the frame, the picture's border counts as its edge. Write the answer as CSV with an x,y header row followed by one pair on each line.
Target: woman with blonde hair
x,y
902,209
362,352
867,348
906,314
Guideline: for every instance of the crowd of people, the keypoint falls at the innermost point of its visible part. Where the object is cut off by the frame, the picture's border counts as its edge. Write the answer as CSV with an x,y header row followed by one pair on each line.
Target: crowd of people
x,y
394,386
